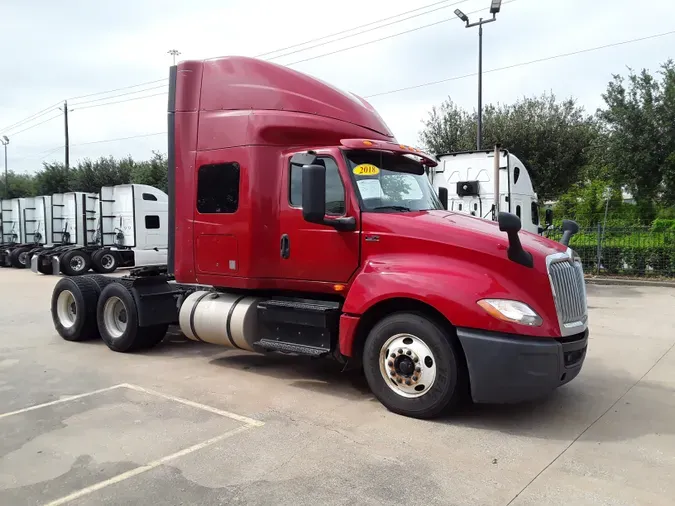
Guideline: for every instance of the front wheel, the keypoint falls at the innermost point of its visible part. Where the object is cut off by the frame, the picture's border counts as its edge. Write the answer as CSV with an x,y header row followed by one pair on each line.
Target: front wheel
x,y
411,366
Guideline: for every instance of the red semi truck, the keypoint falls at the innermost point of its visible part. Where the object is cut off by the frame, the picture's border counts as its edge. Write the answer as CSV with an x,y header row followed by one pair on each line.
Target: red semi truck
x,y
297,224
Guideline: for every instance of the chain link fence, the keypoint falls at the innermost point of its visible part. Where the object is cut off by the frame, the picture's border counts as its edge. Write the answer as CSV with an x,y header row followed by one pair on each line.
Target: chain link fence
x,y
628,251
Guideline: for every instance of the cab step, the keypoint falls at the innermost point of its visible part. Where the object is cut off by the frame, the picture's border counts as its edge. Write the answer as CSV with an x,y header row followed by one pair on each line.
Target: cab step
x,y
302,326
270,345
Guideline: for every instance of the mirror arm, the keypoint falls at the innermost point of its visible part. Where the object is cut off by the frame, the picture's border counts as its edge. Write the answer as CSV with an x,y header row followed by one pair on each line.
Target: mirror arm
x,y
341,224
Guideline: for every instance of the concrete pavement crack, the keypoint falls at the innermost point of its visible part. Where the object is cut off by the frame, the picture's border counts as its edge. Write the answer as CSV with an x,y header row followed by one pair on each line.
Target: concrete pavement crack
x,y
591,425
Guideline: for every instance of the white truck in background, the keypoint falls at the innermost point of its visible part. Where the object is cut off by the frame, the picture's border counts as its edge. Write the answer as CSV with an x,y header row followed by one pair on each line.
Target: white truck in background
x,y
122,226
470,180
20,230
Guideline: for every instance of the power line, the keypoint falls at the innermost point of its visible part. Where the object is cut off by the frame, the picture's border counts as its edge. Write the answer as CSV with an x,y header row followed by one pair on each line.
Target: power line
x,y
121,95
358,27
36,125
386,38
49,152
120,101
32,117
118,89
455,78
119,139
522,64
289,64
163,80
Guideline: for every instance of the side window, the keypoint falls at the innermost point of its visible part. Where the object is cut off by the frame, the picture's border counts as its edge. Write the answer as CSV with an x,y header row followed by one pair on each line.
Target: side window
x,y
151,222
149,196
516,174
518,211
535,213
218,188
335,190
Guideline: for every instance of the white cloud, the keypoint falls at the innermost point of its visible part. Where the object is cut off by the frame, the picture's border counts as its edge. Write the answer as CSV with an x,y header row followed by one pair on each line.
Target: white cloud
x,y
79,47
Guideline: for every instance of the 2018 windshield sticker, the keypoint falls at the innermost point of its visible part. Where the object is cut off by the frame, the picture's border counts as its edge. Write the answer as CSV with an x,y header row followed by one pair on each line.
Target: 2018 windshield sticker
x,y
366,169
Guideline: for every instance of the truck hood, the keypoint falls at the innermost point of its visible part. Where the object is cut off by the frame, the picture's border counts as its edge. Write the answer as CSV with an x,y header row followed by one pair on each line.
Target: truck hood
x,y
456,234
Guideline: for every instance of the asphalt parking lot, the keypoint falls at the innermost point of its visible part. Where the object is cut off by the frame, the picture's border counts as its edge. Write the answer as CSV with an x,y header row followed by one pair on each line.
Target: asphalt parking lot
x,y
189,423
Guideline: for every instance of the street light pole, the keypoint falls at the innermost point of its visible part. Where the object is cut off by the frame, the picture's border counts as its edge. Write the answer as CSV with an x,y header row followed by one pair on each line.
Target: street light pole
x,y
5,141
174,53
494,9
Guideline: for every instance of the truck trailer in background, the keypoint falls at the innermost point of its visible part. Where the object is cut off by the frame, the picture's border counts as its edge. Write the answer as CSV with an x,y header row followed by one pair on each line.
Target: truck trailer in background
x,y
471,183
121,226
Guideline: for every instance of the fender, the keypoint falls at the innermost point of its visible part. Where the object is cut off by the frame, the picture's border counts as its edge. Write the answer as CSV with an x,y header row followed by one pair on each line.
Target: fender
x,y
452,287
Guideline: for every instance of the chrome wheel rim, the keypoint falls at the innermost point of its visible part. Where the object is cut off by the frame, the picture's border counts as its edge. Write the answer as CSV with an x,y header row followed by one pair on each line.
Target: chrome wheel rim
x,y
115,317
77,263
66,309
407,365
22,257
107,261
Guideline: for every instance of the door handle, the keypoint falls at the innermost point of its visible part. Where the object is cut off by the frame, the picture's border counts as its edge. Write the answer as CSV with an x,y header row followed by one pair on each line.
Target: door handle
x,y
285,246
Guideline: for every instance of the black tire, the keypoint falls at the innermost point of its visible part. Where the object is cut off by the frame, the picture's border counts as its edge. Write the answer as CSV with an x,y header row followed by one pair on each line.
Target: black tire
x,y
445,390
101,280
104,261
129,337
83,296
75,262
18,257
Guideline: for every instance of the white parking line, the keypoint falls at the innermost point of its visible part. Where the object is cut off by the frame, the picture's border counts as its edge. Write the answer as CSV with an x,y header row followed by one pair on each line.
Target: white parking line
x,y
248,424
227,414
146,467
211,409
60,401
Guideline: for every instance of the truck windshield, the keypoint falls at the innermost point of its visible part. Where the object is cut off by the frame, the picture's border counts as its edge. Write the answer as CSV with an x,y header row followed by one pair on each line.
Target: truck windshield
x,y
390,182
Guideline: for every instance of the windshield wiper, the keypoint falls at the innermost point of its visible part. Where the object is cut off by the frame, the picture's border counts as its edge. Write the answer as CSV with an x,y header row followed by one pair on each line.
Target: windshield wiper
x,y
392,208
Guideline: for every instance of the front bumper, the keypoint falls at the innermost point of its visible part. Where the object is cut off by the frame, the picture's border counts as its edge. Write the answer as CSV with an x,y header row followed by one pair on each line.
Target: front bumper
x,y
506,368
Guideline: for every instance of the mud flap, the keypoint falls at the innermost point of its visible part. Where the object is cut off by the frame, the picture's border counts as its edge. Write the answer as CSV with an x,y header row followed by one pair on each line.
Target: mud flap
x,y
56,265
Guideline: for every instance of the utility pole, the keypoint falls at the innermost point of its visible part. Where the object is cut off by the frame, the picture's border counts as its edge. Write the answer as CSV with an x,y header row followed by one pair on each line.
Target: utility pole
x,y
65,125
495,7
5,141
479,128
174,53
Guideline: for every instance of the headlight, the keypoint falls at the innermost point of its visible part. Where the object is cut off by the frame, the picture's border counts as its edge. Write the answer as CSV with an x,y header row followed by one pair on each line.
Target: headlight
x,y
511,311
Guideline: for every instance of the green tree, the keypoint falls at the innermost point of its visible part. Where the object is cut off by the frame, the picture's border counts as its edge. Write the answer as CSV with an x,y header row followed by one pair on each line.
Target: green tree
x,y
639,121
52,178
153,172
20,185
89,176
553,138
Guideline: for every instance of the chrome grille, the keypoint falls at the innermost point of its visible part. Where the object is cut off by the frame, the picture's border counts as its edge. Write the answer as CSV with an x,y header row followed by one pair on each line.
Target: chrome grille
x,y
567,280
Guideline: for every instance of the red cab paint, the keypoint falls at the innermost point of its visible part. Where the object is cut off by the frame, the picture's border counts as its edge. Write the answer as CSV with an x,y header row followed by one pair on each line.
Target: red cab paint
x,y
258,115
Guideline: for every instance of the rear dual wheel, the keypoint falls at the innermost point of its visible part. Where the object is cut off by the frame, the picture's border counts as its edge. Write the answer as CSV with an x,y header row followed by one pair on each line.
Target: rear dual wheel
x,y
73,308
98,306
19,257
412,366
117,317
104,261
75,262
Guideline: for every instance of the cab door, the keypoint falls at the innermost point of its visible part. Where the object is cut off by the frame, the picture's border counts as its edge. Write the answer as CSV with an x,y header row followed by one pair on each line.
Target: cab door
x,y
313,252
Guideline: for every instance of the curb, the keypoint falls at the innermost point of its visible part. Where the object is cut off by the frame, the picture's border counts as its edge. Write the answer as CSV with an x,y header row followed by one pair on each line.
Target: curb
x,y
629,282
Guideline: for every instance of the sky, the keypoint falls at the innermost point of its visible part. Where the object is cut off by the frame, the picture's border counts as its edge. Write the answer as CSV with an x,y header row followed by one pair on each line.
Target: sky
x,y
56,51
